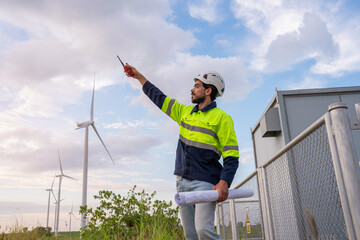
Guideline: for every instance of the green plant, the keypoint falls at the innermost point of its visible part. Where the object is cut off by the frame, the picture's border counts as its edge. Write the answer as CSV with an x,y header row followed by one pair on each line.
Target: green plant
x,y
22,233
134,216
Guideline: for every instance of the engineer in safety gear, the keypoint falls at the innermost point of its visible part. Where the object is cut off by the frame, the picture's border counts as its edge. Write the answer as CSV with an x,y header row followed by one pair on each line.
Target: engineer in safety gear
x,y
206,134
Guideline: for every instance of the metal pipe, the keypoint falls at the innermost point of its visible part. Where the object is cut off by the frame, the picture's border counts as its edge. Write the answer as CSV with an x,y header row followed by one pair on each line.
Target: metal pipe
x,y
223,230
233,219
264,204
348,161
245,201
268,205
339,178
217,217
357,109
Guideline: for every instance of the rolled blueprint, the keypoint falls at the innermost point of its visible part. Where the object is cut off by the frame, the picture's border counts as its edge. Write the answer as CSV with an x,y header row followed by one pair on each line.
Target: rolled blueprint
x,y
188,198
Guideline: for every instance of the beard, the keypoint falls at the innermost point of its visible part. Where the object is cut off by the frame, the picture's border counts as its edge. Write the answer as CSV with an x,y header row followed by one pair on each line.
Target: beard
x,y
197,99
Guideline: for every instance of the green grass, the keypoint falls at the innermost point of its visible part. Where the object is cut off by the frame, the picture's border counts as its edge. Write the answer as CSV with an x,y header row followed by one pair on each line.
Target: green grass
x,y
32,236
69,235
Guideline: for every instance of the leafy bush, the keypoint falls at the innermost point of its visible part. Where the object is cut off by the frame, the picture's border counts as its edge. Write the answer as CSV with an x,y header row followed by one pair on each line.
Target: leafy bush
x,y
134,216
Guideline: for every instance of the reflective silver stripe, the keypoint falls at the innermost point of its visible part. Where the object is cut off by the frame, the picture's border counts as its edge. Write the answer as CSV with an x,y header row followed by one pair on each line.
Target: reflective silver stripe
x,y
199,129
227,148
168,110
200,145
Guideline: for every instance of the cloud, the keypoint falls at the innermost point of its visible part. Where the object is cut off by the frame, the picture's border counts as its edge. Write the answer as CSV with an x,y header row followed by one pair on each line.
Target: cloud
x,y
9,208
35,150
246,156
132,146
223,40
206,10
307,83
347,33
290,31
311,40
132,124
49,53
176,78
65,43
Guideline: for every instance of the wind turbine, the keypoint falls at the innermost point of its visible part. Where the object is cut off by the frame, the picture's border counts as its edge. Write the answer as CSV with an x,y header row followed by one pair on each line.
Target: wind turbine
x,y
60,176
86,152
50,190
71,214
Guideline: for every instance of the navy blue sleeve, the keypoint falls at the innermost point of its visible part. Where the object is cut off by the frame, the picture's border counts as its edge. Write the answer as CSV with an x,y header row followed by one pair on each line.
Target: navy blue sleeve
x,y
230,166
155,94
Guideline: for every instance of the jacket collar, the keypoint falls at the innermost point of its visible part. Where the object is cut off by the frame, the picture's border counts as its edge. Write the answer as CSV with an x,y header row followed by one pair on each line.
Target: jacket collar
x,y
205,109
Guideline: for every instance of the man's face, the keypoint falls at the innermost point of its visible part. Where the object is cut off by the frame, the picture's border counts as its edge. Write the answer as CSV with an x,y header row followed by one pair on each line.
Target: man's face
x,y
198,92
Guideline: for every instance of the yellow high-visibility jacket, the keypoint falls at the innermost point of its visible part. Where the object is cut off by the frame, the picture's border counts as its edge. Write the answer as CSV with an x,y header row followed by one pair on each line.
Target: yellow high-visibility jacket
x,y
205,135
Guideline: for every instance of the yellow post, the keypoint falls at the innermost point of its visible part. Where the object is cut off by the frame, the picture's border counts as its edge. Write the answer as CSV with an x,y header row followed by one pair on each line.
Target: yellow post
x,y
248,228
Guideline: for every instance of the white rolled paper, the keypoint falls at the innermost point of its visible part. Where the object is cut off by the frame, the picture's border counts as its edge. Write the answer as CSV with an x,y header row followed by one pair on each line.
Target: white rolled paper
x,y
188,198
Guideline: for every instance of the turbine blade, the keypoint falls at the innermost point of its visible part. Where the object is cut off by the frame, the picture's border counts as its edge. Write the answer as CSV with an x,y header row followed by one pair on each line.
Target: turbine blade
x,y
70,177
54,195
52,185
92,102
93,125
60,163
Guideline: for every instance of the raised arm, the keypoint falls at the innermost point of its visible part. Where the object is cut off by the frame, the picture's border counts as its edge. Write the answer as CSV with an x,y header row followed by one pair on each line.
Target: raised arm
x,y
137,75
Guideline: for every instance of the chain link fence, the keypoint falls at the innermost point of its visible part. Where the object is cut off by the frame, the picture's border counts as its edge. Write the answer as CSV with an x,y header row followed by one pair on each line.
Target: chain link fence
x,y
251,206
303,190
300,195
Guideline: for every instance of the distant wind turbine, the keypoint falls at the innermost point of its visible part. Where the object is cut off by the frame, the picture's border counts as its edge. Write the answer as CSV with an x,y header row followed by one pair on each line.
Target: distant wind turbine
x,y
56,203
71,214
60,176
50,190
86,152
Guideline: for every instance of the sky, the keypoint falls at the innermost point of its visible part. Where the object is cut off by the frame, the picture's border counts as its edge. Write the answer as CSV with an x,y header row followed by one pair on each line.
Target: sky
x,y
51,52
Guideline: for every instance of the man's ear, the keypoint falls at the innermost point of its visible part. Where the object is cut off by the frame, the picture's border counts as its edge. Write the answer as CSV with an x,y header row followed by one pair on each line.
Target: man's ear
x,y
208,91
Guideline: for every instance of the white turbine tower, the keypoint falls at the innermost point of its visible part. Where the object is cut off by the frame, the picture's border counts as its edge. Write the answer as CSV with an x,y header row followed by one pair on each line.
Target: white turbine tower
x,y
60,176
86,151
71,214
50,190
56,203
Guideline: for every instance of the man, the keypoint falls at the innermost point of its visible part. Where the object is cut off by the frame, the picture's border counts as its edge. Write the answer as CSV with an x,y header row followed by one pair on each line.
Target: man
x,y
206,133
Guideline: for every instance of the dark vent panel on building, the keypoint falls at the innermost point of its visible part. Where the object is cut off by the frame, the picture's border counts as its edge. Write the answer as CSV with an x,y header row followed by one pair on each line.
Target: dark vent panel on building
x,y
270,123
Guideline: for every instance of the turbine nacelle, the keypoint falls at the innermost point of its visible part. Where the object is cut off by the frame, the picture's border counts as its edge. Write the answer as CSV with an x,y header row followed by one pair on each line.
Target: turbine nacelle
x,y
84,124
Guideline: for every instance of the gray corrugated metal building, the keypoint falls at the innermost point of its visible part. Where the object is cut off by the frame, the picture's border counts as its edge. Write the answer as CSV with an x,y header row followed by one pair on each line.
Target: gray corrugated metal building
x,y
291,112
288,114
307,166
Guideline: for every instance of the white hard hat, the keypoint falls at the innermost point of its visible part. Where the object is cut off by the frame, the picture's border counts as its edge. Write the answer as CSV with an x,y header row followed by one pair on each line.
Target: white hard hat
x,y
212,78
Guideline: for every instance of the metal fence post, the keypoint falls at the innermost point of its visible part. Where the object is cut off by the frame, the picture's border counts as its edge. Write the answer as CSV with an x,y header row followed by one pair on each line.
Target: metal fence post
x,y
339,177
223,228
233,219
265,209
217,218
348,164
